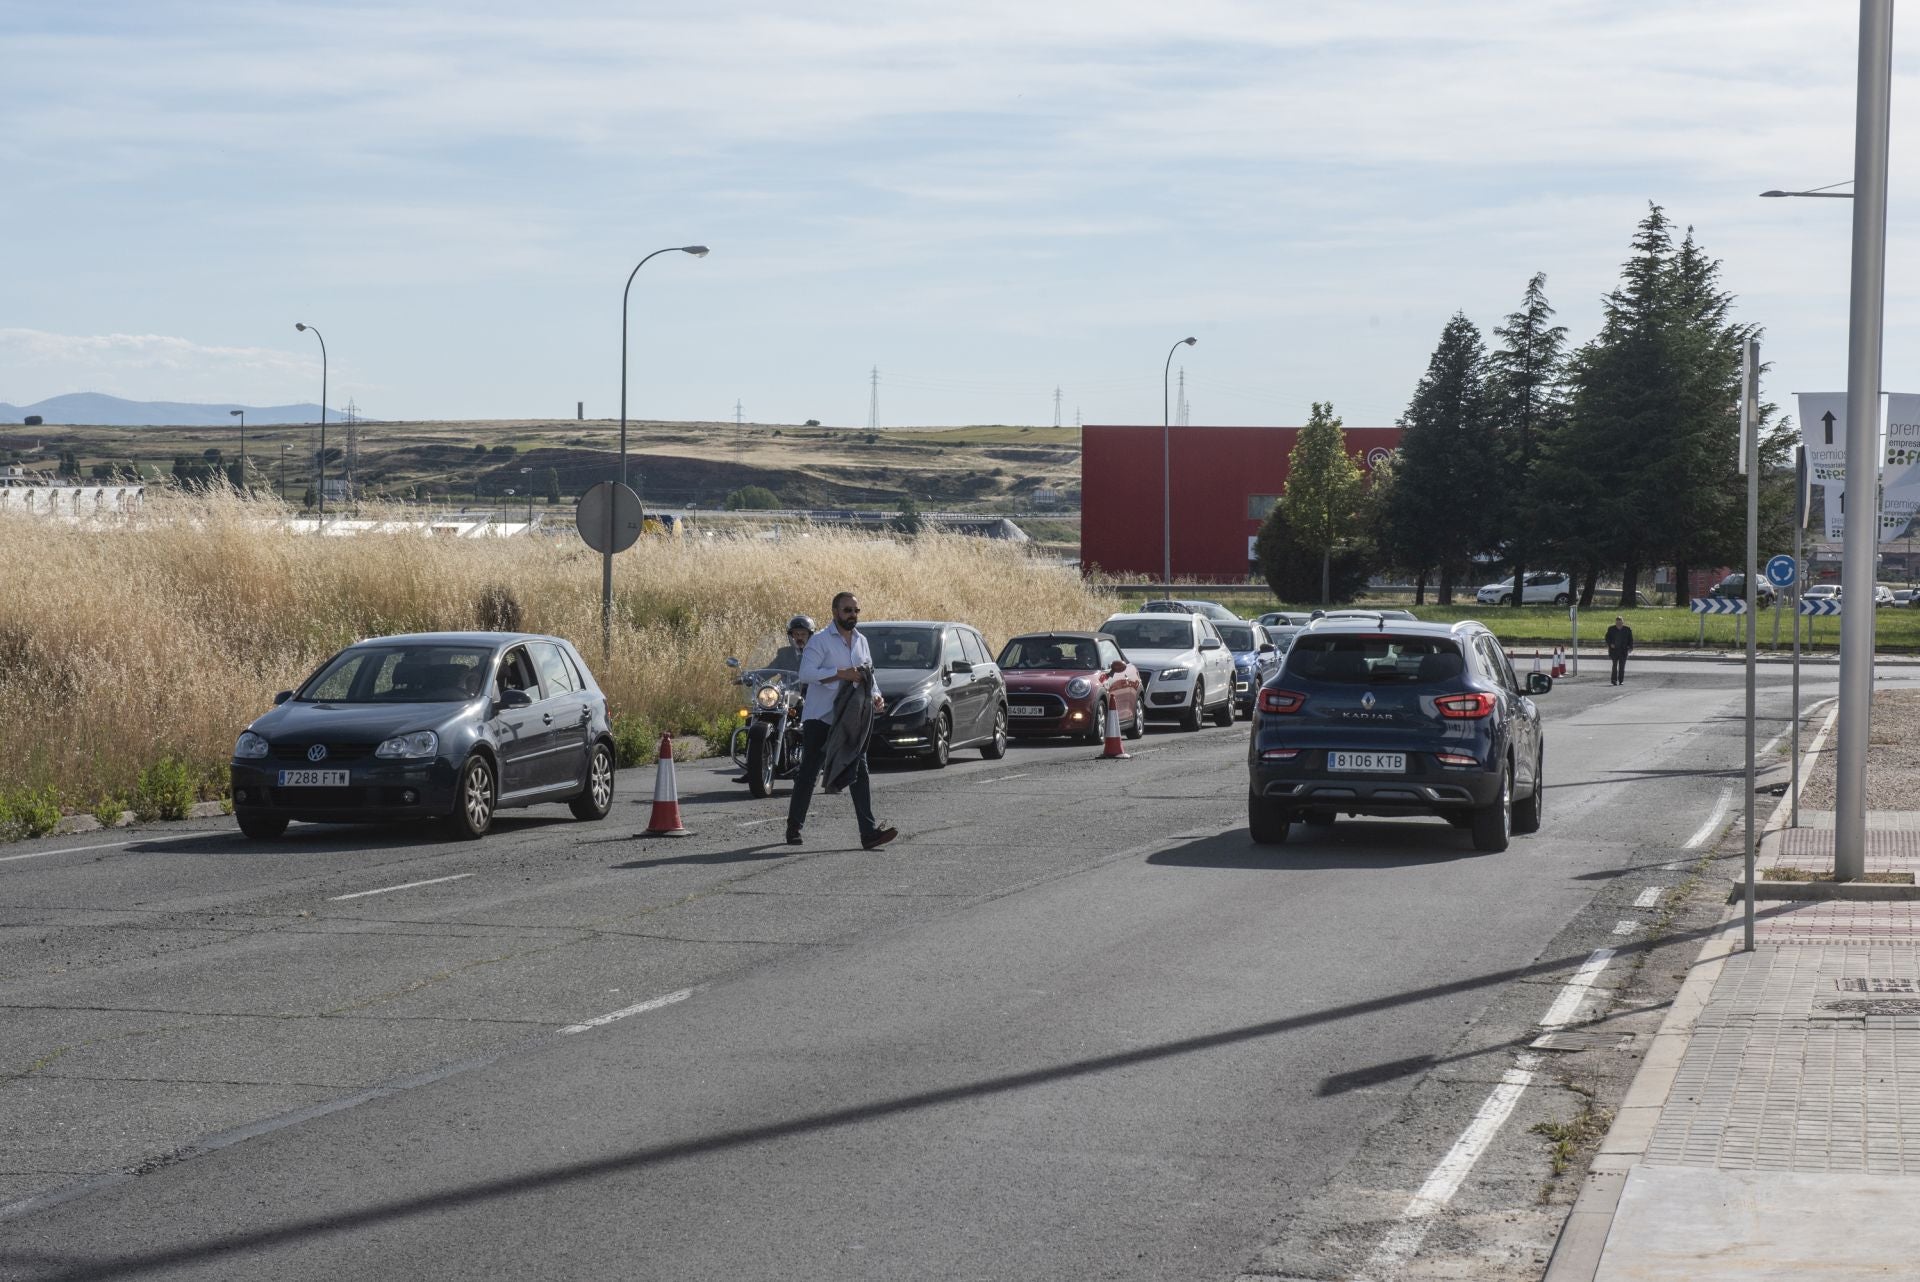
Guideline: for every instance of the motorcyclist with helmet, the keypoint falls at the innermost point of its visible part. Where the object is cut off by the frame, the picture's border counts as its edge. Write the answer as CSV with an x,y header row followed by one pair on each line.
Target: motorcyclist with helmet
x,y
800,630
786,660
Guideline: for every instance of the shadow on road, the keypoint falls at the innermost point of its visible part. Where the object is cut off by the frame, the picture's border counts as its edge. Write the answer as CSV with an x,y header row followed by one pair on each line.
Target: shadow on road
x,y
746,854
1355,844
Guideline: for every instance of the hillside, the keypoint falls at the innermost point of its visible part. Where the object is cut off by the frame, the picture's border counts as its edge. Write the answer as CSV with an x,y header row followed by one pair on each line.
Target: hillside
x,y
100,409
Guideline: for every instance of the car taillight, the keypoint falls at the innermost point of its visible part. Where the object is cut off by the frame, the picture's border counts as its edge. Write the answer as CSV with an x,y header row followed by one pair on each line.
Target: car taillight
x,y
1456,759
1279,754
1465,707
1282,701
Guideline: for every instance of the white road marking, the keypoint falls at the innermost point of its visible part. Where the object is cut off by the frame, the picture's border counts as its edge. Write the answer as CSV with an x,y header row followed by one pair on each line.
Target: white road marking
x,y
1433,1196
753,823
1625,927
409,885
1649,898
639,1008
1003,778
1712,825
107,845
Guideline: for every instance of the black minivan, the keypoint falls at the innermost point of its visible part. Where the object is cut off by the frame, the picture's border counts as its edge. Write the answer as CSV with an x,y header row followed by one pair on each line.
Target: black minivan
x,y
1387,717
943,691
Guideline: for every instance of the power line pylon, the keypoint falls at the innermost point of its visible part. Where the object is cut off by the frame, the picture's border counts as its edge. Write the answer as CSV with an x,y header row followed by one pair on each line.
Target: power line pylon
x,y
1056,406
873,401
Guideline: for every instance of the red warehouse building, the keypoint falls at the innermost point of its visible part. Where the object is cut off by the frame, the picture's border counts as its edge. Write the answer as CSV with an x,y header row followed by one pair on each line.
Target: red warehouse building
x,y
1224,481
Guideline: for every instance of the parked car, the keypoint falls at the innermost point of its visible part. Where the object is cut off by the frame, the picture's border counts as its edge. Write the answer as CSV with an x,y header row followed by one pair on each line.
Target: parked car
x,y
1398,719
1287,618
943,692
1062,683
1734,587
450,725
1882,595
1543,587
1356,613
1211,609
1184,666
1255,658
1821,592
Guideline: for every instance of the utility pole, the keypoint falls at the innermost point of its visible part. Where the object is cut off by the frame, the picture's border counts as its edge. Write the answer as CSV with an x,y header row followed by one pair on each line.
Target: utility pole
x,y
353,446
1866,313
739,433
873,401
1056,406
1180,415
1750,464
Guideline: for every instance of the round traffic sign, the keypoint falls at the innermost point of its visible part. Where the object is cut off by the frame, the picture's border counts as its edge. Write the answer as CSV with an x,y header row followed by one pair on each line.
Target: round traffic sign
x,y
1781,571
608,517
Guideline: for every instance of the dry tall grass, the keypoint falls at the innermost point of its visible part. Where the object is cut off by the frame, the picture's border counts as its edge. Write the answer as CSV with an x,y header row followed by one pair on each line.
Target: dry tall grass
x,y
124,642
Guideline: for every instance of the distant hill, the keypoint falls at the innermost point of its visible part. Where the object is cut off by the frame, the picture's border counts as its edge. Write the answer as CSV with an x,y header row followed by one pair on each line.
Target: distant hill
x,y
94,409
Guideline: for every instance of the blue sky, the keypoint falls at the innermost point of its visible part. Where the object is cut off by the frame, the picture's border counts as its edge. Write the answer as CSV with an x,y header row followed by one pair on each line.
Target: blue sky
x,y
985,200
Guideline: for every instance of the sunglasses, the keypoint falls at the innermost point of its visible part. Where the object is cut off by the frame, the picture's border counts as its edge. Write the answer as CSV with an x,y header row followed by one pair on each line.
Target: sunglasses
x,y
849,609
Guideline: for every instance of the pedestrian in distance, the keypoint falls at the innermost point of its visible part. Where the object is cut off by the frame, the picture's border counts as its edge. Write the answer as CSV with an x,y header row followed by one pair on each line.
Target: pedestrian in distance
x,y
835,719
1619,646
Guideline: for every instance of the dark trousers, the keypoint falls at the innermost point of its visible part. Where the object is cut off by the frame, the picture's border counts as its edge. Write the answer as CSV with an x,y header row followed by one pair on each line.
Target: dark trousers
x,y
813,744
1619,668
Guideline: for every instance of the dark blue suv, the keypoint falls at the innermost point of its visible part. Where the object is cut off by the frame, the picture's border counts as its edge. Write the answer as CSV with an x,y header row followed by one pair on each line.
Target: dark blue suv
x,y
1255,658
1387,717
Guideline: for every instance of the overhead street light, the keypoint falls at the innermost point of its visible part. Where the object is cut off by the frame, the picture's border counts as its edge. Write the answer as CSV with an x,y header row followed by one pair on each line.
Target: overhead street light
x,y
1823,192
1166,469
320,460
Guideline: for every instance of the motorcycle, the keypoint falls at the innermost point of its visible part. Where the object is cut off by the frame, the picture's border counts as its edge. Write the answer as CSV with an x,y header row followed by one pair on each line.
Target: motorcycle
x,y
766,745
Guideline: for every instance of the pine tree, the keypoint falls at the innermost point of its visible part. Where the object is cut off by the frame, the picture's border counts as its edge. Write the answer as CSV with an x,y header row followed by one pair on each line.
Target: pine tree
x,y
1323,491
1528,406
1443,487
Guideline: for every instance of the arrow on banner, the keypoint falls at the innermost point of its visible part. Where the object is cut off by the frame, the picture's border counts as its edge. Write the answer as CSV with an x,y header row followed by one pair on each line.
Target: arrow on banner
x,y
1717,605
1826,421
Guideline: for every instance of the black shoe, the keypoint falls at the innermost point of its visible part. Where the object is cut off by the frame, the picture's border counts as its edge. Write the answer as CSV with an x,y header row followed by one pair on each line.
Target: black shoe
x,y
793,836
879,838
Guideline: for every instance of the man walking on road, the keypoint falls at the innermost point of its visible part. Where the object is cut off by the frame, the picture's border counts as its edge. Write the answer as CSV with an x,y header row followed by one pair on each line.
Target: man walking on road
x,y
1619,646
837,668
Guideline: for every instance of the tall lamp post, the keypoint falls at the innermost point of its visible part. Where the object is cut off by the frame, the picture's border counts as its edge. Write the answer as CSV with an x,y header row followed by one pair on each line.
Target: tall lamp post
x,y
528,473
320,459
1166,468
243,444
606,558
283,473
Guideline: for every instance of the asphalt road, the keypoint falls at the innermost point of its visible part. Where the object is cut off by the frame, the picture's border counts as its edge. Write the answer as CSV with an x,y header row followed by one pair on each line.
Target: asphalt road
x,y
1072,1024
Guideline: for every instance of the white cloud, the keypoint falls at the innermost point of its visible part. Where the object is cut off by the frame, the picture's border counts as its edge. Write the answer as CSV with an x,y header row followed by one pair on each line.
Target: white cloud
x,y
151,367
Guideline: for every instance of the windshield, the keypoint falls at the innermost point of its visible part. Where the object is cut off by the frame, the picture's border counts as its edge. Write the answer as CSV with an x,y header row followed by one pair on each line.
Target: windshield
x,y
401,674
1373,659
1151,634
917,649
1282,638
1238,636
1074,654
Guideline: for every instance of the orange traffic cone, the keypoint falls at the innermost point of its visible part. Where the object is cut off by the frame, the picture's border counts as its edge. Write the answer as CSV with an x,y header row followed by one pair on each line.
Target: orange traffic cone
x,y
1536,660
665,820
1115,749
1559,663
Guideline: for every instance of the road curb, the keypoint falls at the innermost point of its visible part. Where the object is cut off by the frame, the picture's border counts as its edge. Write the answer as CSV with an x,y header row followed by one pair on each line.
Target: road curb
x,y
1849,890
1576,1255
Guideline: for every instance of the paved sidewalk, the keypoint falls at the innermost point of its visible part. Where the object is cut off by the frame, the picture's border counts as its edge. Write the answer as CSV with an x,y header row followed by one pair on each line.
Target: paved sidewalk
x,y
1773,1131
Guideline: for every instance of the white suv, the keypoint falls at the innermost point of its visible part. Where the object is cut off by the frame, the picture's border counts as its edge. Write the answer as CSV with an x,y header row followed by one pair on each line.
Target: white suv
x,y
1544,587
1185,668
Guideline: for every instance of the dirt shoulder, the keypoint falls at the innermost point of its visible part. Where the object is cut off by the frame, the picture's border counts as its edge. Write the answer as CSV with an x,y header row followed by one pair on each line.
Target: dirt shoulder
x,y
1893,759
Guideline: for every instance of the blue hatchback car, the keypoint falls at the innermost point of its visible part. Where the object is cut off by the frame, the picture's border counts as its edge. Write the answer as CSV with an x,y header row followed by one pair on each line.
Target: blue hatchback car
x,y
1256,656
1382,716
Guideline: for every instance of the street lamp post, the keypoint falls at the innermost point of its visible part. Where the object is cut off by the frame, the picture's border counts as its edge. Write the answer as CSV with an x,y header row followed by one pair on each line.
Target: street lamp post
x,y
283,473
1166,468
528,473
606,558
243,444
320,460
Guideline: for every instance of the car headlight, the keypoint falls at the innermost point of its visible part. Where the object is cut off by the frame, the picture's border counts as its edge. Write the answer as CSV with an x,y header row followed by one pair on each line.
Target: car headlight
x,y
767,696
249,746
1078,688
1172,674
910,705
424,743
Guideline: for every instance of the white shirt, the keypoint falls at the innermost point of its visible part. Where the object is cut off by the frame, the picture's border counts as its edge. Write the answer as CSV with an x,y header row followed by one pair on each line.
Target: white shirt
x,y
825,655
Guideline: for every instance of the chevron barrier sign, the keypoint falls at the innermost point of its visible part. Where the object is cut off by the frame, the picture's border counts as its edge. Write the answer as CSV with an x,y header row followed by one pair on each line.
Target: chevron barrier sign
x,y
1820,605
1717,605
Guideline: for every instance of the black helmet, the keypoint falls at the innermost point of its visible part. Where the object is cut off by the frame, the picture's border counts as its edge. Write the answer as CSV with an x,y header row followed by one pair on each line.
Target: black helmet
x,y
801,621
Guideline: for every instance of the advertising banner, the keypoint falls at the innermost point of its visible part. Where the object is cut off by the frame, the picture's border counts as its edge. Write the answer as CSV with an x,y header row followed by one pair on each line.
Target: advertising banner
x,y
1823,430
1900,497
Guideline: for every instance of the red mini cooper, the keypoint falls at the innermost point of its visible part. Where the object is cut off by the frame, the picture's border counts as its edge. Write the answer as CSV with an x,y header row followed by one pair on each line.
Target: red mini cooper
x,y
1062,683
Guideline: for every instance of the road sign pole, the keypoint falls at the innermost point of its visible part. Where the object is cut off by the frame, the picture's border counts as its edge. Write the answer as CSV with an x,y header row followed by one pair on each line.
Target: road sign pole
x,y
1800,506
1866,316
1573,613
1750,450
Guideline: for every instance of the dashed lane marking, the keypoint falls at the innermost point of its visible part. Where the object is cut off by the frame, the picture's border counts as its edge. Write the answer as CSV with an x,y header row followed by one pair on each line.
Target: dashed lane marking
x,y
638,1008
407,885
1624,927
1649,898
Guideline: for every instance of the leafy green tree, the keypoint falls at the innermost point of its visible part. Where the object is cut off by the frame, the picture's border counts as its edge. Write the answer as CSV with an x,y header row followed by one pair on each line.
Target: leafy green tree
x,y
752,497
1528,405
1444,490
907,519
1298,574
1322,496
552,482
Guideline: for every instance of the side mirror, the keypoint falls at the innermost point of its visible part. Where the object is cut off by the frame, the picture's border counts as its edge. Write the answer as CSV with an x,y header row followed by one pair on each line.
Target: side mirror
x,y
1119,667
282,697
732,662
959,666
1268,647
1538,683
511,700
1209,643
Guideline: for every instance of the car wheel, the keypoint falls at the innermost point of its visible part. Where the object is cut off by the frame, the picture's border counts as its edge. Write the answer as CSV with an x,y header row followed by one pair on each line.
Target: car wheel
x,y
1493,825
1266,821
936,759
1526,814
1097,732
996,747
1223,715
596,799
760,759
1563,599
1138,726
1190,715
472,801
1506,598
260,827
